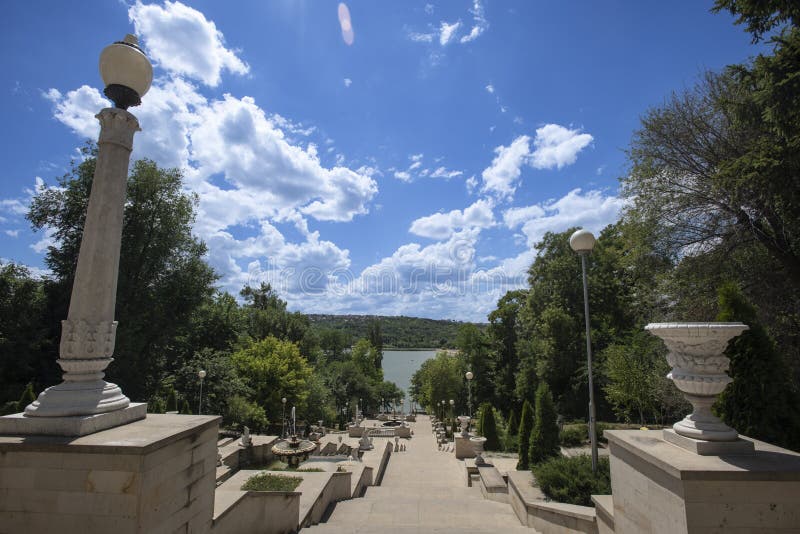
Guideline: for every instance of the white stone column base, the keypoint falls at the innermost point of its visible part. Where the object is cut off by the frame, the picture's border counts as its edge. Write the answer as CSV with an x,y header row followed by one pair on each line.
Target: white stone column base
x,y
21,425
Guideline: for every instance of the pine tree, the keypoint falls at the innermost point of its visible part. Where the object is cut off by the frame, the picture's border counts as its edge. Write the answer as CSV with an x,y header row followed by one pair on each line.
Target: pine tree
x,y
525,427
761,402
27,397
489,428
544,437
511,431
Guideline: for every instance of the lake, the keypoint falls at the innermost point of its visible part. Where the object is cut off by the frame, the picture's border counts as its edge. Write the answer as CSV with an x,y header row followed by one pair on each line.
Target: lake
x,y
399,365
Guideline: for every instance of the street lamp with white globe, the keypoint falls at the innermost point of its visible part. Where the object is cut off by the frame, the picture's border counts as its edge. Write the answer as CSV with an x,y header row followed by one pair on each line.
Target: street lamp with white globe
x,y
582,242
469,376
88,334
201,374
283,418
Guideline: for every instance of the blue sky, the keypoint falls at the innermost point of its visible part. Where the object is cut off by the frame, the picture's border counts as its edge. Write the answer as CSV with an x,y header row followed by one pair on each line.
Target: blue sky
x,y
405,162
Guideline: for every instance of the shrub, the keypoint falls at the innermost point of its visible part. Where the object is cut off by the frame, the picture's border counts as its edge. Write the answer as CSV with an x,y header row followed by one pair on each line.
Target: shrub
x,y
511,432
156,405
570,480
185,408
544,436
489,428
525,427
241,413
574,436
27,397
172,401
270,482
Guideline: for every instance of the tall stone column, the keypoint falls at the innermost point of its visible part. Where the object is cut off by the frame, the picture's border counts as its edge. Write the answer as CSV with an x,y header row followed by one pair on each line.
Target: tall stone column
x,y
88,334
84,402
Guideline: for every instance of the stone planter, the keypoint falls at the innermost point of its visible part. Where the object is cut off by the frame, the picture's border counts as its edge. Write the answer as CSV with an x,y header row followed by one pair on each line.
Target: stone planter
x,y
698,371
477,445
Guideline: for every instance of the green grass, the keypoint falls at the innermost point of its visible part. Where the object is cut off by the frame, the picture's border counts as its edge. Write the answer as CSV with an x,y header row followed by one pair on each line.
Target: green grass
x,y
270,482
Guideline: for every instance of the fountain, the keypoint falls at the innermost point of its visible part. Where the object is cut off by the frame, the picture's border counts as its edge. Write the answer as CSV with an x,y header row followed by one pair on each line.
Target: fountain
x,y
293,450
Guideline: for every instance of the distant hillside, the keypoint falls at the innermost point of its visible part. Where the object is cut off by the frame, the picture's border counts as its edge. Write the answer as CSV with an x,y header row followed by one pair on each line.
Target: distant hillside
x,y
398,332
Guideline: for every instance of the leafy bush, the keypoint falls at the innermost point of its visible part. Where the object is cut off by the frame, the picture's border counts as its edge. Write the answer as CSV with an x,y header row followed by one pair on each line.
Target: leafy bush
x,y
525,427
185,408
489,428
574,436
544,436
270,482
242,412
570,480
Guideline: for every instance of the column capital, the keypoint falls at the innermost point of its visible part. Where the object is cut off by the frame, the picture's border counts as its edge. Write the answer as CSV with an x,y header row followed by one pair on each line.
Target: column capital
x,y
117,126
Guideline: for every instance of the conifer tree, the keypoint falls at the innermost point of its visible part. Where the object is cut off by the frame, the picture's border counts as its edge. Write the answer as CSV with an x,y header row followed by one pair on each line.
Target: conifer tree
x,y
511,431
544,442
525,427
489,428
185,408
761,402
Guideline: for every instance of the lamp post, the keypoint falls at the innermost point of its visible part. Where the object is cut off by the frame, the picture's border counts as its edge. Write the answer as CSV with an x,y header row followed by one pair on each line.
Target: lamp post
x,y
443,409
89,331
582,242
452,404
283,418
201,374
469,376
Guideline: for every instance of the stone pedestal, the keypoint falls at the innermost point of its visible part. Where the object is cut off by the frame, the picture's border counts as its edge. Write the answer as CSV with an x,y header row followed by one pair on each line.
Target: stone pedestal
x,y
154,475
659,487
464,448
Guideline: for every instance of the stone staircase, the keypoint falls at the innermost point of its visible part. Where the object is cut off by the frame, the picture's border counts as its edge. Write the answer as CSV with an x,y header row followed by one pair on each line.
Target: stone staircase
x,y
423,491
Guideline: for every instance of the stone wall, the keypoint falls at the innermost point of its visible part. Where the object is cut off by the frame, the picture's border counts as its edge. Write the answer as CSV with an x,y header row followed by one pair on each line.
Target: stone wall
x,y
154,475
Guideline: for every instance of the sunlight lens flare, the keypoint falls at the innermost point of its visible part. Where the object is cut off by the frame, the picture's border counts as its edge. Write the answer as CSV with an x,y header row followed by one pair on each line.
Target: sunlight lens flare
x,y
346,24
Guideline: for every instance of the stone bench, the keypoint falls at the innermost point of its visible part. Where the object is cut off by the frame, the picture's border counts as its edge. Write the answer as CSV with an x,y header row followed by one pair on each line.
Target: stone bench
x,y
493,485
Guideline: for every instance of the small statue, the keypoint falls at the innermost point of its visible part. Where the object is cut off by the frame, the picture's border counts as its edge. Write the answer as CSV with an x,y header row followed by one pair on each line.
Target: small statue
x,y
246,440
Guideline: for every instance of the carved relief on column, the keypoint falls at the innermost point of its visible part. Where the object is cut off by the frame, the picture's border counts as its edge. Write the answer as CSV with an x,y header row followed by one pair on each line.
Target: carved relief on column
x,y
86,348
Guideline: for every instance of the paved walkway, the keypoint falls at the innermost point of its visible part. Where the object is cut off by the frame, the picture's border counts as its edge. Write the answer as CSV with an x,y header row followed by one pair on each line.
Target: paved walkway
x,y
423,491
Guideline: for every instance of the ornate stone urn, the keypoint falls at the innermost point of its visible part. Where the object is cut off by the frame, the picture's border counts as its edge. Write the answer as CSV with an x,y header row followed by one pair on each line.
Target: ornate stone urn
x,y
464,422
698,371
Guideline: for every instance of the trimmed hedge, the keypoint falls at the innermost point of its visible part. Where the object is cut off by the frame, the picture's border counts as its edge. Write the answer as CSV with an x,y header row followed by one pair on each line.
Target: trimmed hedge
x,y
571,481
270,482
544,437
525,427
489,428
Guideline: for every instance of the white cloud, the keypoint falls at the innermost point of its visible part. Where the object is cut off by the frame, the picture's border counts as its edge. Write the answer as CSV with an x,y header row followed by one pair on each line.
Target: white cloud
x,y
592,210
12,233
480,24
182,41
402,175
472,184
557,146
77,109
442,172
421,37
502,176
447,32
348,82
429,9
443,225
490,89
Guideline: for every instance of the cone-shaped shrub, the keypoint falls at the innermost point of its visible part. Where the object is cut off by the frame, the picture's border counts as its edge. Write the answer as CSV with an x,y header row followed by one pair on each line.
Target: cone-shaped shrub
x,y
185,408
525,427
512,427
489,428
544,437
26,398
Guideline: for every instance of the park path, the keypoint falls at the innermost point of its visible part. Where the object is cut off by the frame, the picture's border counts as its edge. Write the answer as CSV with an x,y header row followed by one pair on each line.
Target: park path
x,y
424,490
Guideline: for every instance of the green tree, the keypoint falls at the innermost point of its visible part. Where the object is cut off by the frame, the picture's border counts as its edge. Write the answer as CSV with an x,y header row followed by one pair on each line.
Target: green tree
x,y
512,429
376,337
503,335
367,360
185,410
762,401
544,442
437,379
473,344
636,372
759,15
273,369
241,412
222,381
489,428
172,401
526,422
163,277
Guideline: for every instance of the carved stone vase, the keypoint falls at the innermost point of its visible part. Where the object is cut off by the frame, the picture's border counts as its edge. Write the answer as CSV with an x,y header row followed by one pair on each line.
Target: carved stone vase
x,y
477,446
464,421
695,353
